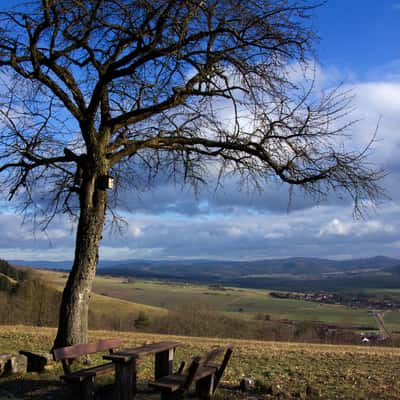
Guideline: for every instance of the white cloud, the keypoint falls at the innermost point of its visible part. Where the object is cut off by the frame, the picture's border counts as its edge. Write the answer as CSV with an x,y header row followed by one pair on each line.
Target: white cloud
x,y
335,227
124,253
37,254
355,228
378,106
135,231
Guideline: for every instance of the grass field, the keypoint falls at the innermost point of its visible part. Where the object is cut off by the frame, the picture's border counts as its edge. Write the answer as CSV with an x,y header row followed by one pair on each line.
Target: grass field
x,y
281,370
395,293
104,302
240,302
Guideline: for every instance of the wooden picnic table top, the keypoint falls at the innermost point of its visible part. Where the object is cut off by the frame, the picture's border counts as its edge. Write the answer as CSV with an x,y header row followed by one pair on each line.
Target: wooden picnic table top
x,y
125,355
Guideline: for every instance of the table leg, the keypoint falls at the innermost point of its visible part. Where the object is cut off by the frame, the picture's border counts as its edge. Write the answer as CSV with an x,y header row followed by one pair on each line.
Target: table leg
x,y
125,380
164,363
204,387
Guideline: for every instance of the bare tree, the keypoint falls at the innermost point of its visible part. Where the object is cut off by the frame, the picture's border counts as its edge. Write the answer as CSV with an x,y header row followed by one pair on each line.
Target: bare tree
x,y
128,88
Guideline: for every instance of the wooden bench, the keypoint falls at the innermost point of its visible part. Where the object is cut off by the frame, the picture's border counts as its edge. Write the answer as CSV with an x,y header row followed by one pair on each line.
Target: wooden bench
x,y
204,371
82,381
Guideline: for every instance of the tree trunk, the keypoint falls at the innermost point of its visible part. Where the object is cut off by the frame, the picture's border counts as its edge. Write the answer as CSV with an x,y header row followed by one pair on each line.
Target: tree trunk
x,y
74,309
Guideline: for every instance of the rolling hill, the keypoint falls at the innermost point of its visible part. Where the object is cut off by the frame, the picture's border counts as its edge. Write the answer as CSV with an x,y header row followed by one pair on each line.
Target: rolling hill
x,y
303,274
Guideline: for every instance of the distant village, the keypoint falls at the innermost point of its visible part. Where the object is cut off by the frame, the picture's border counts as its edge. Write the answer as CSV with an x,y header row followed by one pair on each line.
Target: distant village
x,y
356,300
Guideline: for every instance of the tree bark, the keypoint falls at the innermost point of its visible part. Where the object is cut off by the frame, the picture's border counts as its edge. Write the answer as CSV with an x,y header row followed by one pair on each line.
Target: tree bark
x,y
74,309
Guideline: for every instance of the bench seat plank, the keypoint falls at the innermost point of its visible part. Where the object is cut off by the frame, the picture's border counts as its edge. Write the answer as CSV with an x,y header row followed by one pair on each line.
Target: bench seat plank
x,y
81,375
205,371
170,383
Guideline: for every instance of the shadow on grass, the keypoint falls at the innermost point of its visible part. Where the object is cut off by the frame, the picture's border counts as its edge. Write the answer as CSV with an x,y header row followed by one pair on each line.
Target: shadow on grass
x,y
20,388
35,389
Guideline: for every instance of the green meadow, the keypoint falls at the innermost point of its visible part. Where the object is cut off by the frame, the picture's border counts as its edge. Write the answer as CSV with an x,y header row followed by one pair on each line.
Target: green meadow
x,y
158,296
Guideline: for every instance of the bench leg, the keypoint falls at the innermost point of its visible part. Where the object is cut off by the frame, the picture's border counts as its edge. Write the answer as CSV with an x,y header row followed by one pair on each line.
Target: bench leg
x,y
164,363
204,387
84,390
125,380
172,396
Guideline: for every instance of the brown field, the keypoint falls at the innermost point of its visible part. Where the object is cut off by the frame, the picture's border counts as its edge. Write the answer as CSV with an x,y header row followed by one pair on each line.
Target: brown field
x,y
281,370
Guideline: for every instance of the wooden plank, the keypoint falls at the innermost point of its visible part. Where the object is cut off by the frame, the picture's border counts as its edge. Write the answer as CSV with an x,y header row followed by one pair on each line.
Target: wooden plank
x,y
176,381
222,367
78,350
119,357
212,355
152,348
169,383
204,371
83,374
191,373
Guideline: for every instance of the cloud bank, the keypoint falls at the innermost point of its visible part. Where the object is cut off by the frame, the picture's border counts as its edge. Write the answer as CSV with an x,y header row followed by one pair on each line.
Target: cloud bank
x,y
235,223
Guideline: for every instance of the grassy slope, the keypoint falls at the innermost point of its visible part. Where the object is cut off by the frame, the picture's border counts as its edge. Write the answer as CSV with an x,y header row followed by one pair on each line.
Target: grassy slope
x,y
329,372
103,302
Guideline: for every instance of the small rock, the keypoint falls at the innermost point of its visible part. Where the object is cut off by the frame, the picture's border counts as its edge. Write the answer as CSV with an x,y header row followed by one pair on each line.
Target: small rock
x,y
4,363
38,362
19,364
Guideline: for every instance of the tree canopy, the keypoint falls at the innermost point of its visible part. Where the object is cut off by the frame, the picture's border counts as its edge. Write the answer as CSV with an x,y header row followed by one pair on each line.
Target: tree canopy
x,y
128,88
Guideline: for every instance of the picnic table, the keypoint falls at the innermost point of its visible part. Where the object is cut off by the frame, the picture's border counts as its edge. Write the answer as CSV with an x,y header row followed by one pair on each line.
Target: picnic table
x,y
125,361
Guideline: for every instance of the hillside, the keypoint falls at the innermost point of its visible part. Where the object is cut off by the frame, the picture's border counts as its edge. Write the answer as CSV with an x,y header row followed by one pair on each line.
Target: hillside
x,y
201,310
281,370
102,301
32,296
294,274
232,268
105,310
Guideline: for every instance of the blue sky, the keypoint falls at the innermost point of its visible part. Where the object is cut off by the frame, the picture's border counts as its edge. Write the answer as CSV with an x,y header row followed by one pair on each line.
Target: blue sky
x,y
360,48
358,35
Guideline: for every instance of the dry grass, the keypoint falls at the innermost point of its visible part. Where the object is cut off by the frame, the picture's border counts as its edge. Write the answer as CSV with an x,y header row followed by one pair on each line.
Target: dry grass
x,y
288,370
101,303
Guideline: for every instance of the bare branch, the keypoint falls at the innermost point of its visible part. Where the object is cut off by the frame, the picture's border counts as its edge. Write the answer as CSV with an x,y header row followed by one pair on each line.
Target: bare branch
x,y
179,82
